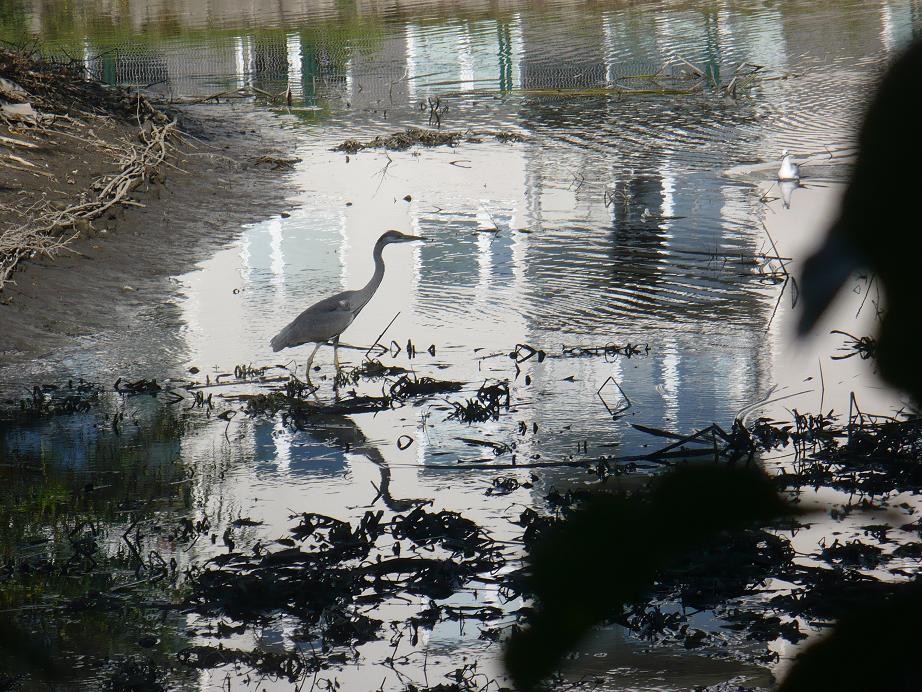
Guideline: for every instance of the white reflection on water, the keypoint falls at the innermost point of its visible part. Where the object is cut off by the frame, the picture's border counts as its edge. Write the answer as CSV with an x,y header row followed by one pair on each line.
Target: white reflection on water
x,y
295,56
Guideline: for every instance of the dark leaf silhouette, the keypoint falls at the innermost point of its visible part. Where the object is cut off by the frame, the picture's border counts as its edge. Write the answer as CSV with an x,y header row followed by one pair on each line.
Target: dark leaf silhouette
x,y
873,648
609,552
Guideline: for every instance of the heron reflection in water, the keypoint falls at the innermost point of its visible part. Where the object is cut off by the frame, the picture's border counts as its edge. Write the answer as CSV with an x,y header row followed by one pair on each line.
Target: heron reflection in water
x,y
325,320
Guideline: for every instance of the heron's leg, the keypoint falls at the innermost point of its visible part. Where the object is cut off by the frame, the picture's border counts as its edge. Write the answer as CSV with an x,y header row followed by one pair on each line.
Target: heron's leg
x,y
335,353
310,360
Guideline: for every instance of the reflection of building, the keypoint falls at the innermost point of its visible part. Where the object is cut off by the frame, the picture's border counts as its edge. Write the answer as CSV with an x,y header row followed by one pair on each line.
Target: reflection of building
x,y
657,262
270,62
418,59
277,449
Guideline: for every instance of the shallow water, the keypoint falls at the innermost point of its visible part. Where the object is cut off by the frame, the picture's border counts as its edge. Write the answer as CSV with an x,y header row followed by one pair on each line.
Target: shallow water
x,y
634,210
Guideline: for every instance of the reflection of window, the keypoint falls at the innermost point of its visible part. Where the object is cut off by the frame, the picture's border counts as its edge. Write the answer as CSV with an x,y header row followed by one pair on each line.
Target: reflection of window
x,y
466,56
133,66
453,260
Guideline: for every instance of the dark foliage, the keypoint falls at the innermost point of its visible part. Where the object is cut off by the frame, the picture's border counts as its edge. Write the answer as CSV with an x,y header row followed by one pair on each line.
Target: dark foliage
x,y
608,553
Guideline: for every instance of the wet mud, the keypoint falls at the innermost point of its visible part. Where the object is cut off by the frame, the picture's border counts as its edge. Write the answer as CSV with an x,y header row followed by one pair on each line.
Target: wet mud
x,y
117,194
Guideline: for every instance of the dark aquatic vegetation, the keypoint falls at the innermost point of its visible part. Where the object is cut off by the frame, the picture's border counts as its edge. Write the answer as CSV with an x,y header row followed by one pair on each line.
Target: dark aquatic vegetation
x,y
199,400
299,411
370,369
375,368
406,388
609,351
333,571
52,400
852,553
436,110
295,407
248,372
279,666
450,529
505,485
296,389
764,628
137,387
865,347
491,398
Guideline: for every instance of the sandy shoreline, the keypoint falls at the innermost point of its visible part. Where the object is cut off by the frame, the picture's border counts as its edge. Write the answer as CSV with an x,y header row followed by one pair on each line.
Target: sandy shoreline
x,y
115,276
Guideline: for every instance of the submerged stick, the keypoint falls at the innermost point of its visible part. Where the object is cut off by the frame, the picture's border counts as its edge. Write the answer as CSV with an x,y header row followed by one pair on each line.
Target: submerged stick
x,y
377,341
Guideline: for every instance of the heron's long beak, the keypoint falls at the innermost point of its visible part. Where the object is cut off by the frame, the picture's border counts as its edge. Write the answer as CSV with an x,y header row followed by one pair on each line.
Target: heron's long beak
x,y
407,238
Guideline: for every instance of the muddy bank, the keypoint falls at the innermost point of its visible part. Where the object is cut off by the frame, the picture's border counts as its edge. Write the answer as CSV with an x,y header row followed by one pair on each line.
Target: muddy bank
x,y
112,276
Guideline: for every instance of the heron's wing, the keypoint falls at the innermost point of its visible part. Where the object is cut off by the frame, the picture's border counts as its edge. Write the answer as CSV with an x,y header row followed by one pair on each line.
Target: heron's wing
x,y
320,322
347,301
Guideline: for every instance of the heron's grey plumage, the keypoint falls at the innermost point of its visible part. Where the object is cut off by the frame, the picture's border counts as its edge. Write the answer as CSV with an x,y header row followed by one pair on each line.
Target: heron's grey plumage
x,y
323,320
327,319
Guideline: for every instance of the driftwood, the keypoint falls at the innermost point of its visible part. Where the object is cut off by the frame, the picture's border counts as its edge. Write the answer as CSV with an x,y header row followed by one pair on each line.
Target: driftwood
x,y
51,230
63,103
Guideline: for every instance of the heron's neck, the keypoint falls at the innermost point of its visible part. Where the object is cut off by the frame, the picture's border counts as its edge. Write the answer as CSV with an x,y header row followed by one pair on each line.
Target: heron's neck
x,y
376,278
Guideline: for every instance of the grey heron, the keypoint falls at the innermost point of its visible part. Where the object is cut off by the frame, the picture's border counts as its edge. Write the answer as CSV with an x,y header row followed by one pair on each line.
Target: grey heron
x,y
325,320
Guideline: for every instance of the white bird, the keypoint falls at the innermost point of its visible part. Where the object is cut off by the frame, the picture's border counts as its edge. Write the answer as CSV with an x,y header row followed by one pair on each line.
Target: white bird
x,y
789,170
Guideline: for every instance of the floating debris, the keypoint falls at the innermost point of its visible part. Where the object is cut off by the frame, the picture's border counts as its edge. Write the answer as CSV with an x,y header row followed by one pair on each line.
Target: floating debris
x,y
623,402
609,351
524,352
497,447
299,411
410,137
407,387
141,386
486,406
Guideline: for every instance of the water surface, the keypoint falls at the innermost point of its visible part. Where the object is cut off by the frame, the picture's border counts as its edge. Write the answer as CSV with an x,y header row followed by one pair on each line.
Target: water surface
x,y
637,206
